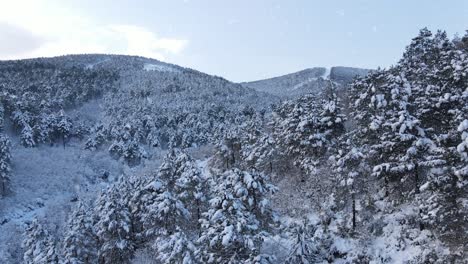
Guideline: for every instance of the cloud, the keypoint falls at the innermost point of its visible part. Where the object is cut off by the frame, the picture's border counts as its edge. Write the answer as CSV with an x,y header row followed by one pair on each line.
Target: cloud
x,y
17,40
47,28
140,41
340,12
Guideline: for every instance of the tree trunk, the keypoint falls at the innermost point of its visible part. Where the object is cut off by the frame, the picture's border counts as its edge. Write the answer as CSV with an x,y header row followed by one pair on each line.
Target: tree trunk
x,y
198,219
354,210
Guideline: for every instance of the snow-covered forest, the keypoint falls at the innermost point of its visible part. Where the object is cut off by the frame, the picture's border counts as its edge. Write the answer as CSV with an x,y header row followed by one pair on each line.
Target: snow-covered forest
x,y
122,159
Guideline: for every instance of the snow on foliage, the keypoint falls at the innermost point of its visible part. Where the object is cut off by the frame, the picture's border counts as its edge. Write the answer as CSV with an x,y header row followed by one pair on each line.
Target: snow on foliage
x,y
379,169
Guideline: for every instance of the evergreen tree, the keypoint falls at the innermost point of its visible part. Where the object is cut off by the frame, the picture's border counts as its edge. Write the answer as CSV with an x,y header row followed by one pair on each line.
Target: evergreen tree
x,y
306,128
177,248
462,149
63,127
238,220
27,136
2,114
113,228
174,199
80,242
406,121
96,138
351,182
303,250
229,148
39,245
5,159
258,148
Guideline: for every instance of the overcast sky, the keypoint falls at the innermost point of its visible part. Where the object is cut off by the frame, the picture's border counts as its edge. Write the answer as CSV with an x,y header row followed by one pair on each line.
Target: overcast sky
x,y
241,40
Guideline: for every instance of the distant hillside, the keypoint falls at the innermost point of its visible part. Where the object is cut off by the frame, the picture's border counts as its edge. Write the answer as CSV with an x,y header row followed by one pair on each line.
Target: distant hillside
x,y
305,81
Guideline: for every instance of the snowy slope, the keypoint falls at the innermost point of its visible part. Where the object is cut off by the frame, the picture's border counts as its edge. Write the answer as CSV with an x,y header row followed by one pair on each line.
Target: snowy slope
x,y
306,81
47,180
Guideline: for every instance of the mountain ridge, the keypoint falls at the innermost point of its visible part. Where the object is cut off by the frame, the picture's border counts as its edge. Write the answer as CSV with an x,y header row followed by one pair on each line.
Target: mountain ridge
x,y
306,81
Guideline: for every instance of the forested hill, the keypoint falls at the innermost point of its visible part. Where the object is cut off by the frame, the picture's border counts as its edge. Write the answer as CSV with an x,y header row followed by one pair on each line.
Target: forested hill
x,y
313,80
117,159
144,101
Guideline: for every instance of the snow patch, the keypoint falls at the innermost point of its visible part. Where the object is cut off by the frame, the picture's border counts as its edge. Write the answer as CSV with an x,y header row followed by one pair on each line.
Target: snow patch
x,y
326,74
159,67
90,66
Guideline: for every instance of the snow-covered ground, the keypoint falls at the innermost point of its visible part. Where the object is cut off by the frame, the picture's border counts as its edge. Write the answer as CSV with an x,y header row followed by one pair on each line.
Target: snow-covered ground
x,y
326,74
159,67
46,181
90,66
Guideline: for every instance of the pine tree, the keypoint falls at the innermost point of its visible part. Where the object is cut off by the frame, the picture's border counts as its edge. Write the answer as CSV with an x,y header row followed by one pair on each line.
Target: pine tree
x,y
306,128
229,148
462,149
351,181
2,114
175,197
406,121
190,187
96,138
39,245
258,148
5,159
238,220
80,242
113,228
63,127
398,143
177,248
27,136
303,250
43,128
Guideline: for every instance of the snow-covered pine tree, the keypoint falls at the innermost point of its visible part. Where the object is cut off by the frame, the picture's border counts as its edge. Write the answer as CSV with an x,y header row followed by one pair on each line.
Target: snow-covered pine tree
x,y
96,137
27,136
407,119
80,241
228,149
43,128
190,187
257,147
153,138
176,248
113,227
397,143
303,249
462,149
260,153
351,184
175,197
293,127
238,220
307,127
2,114
63,126
5,159
39,246
332,117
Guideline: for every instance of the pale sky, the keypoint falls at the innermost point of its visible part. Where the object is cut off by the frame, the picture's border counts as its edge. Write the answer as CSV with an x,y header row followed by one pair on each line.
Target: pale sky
x,y
241,40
